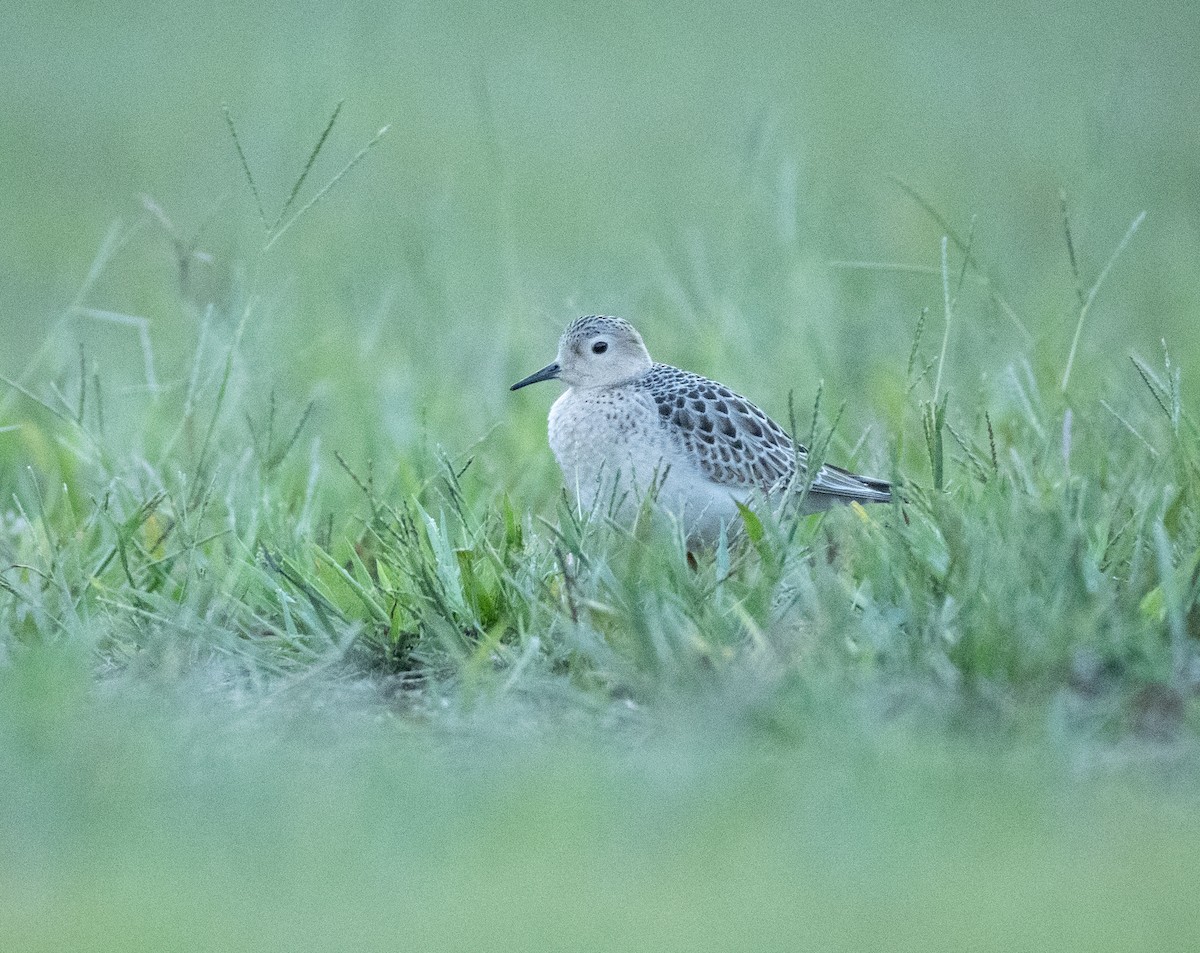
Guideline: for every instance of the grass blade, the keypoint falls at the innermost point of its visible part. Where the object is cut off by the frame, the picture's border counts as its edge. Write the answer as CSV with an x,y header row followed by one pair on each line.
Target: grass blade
x,y
947,304
358,157
312,158
237,144
965,248
1086,304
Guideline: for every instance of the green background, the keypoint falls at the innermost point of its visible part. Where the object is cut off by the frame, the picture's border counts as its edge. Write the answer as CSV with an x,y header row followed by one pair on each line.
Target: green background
x,y
696,170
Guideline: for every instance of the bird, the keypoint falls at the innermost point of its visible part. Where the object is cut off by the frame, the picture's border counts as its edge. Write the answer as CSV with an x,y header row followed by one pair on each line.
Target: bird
x,y
627,426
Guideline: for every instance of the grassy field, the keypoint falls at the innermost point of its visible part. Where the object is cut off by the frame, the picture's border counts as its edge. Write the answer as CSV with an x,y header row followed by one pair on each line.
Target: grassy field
x,y
302,646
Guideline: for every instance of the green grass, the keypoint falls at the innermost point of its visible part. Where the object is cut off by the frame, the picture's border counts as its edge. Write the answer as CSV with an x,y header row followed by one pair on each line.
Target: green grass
x,y
301,644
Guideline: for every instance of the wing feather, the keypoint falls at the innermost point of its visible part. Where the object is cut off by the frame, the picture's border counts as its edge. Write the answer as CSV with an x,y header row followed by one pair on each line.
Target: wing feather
x,y
737,445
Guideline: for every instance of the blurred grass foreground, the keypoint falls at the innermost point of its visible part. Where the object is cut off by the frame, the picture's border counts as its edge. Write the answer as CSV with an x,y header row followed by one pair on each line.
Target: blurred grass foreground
x,y
301,644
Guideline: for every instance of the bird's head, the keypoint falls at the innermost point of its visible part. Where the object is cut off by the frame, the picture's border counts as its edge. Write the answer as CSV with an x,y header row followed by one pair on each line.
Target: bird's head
x,y
595,351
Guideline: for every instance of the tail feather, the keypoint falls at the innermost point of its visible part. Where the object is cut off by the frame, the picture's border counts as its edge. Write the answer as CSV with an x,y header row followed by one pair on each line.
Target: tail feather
x,y
842,484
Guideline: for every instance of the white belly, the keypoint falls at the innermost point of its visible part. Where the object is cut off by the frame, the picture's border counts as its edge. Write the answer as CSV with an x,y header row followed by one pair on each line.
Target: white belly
x,y
612,448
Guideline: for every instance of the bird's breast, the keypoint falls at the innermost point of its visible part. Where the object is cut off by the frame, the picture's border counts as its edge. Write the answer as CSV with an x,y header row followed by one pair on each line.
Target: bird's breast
x,y
597,431
613,444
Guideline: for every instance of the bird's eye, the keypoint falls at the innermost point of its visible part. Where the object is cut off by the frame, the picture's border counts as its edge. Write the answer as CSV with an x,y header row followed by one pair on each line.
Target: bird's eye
x,y
599,347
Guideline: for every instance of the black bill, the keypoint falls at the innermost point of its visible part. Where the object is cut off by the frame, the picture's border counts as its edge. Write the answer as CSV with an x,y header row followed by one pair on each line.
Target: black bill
x,y
547,373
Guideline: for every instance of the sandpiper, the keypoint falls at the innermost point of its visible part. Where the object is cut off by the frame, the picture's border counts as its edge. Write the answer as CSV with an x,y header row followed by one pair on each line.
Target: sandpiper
x,y
626,425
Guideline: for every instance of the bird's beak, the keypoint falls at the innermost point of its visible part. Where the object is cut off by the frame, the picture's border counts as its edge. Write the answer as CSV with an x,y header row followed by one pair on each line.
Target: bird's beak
x,y
547,373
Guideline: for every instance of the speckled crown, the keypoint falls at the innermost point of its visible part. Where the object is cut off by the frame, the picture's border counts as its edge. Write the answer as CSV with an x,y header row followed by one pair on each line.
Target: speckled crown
x,y
597,323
